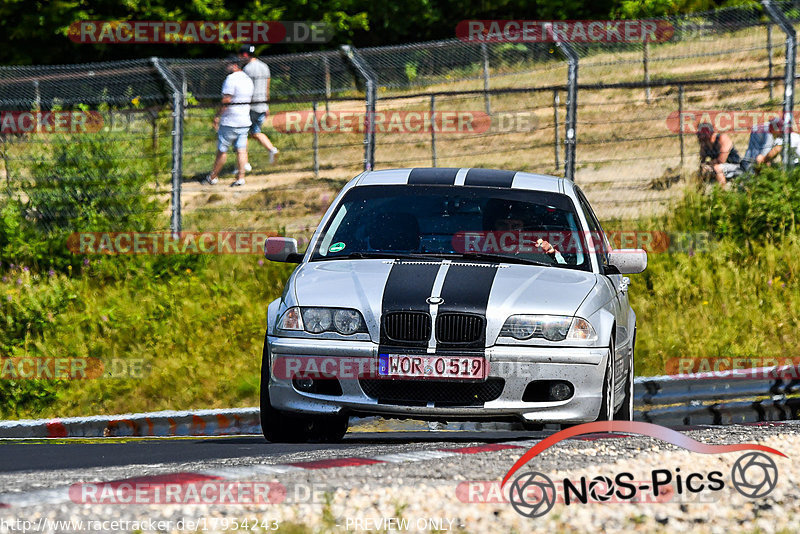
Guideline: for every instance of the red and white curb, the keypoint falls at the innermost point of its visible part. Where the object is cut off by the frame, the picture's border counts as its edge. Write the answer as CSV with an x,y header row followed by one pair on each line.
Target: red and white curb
x,y
157,424
226,422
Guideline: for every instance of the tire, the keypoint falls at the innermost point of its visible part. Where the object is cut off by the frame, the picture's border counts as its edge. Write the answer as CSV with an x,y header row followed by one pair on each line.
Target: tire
x,y
282,427
532,427
625,412
607,404
328,429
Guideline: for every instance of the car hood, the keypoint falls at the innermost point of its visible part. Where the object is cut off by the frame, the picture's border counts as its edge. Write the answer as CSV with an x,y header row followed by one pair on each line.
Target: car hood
x,y
496,291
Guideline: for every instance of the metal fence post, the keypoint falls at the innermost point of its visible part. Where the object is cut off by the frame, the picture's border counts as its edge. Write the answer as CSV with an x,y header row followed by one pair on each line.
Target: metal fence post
x,y
646,65
5,158
177,143
556,102
571,140
785,24
37,97
315,143
682,125
485,56
433,130
326,65
154,123
371,96
769,60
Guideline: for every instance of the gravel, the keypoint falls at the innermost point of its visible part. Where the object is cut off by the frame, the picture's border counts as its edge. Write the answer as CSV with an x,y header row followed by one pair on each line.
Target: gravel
x,y
424,493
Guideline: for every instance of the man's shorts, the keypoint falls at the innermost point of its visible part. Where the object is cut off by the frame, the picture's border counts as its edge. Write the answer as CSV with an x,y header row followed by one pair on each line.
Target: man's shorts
x,y
732,170
256,118
229,135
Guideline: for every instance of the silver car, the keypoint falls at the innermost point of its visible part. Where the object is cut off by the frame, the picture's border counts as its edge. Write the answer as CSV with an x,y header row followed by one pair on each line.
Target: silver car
x,y
450,294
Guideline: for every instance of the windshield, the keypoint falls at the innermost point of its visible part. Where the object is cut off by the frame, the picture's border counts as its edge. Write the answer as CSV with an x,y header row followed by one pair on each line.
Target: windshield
x,y
473,222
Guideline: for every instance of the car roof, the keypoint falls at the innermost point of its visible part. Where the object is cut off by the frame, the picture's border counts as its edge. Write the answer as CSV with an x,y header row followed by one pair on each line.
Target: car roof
x,y
464,176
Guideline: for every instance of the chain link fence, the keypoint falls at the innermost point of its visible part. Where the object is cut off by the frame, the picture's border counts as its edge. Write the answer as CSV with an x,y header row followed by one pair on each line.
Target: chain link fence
x,y
152,120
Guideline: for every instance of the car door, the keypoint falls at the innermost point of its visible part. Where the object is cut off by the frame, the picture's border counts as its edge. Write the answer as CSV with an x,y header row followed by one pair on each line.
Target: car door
x,y
618,285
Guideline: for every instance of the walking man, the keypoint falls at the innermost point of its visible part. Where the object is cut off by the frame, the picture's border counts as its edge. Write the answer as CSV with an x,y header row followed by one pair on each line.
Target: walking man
x,y
259,73
232,122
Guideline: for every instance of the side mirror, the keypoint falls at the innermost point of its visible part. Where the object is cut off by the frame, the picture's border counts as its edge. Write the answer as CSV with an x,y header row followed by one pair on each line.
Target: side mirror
x,y
283,249
628,260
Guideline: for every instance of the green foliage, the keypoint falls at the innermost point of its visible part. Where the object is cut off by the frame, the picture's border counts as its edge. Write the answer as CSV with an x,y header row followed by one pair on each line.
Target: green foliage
x,y
77,183
736,298
28,308
199,332
718,303
633,9
767,209
411,71
30,303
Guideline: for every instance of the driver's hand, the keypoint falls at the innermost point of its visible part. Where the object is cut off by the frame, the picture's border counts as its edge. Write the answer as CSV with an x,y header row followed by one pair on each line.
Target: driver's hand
x,y
545,246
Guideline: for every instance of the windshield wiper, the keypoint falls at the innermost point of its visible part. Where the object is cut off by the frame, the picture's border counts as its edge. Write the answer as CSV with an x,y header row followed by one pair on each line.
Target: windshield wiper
x,y
496,258
375,255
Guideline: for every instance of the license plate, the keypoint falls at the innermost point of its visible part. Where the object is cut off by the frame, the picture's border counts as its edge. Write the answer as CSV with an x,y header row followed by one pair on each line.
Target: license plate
x,y
424,366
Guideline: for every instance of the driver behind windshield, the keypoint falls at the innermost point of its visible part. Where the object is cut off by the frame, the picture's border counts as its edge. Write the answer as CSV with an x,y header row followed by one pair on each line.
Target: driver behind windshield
x,y
510,216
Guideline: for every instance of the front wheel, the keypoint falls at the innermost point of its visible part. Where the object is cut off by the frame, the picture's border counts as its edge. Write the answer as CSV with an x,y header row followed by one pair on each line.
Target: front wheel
x,y
625,412
607,405
282,427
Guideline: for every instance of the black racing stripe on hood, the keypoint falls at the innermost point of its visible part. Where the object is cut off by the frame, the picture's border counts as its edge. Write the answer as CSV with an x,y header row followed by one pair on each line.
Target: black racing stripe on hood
x,y
489,178
408,286
466,288
407,289
437,176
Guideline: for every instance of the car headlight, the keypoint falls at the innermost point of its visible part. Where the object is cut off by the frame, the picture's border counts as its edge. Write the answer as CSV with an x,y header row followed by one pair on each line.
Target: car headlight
x,y
317,320
347,321
344,321
549,327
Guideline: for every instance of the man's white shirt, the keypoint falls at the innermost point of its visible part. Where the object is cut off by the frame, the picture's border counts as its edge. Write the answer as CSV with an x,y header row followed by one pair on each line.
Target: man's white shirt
x,y
239,87
794,139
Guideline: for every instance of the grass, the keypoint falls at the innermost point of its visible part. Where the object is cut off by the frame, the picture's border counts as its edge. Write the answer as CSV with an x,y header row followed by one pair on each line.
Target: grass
x,y
200,332
720,303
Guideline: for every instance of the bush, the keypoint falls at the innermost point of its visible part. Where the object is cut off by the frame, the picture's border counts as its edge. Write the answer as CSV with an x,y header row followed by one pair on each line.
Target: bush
x,y
86,183
29,305
765,210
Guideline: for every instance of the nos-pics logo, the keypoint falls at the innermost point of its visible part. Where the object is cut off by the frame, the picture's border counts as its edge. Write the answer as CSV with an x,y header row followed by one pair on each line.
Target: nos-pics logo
x,y
533,494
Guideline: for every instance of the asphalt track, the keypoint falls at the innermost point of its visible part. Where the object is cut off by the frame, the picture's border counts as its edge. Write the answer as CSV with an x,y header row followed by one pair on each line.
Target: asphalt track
x,y
18,455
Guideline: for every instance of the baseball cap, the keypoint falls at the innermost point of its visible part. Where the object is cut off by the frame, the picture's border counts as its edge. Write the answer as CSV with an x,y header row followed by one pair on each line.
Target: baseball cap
x,y
247,49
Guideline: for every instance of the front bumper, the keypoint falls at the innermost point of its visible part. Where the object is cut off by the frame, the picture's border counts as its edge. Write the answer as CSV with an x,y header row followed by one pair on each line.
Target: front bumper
x,y
584,368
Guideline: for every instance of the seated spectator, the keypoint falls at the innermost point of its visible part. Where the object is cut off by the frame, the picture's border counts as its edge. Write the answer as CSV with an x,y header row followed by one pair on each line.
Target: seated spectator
x,y
776,129
759,145
718,156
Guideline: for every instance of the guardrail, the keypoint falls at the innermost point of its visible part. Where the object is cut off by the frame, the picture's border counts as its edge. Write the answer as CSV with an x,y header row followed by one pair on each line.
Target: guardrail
x,y
719,398
741,396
